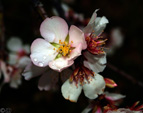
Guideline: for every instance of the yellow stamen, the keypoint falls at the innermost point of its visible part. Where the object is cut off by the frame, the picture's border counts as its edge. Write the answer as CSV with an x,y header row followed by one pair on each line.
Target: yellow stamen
x,y
64,48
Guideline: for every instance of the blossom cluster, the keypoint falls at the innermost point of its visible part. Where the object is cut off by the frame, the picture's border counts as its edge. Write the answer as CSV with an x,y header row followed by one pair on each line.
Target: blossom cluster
x,y
69,55
77,54
13,63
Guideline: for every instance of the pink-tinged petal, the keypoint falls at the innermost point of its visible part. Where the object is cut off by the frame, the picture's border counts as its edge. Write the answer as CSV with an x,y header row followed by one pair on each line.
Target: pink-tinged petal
x,y
71,91
95,62
77,37
60,64
54,29
42,52
32,71
48,80
94,87
114,96
6,70
14,44
75,52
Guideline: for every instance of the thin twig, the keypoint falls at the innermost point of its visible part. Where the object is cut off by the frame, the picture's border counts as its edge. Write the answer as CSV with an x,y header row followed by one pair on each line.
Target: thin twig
x,y
58,7
40,9
124,74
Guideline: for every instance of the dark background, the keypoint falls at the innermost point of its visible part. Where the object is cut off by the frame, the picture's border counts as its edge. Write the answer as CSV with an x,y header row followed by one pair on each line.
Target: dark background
x,y
22,19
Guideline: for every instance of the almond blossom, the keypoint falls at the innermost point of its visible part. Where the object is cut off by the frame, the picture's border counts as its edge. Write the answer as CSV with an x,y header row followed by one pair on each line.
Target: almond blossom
x,y
91,88
60,46
92,84
85,76
96,57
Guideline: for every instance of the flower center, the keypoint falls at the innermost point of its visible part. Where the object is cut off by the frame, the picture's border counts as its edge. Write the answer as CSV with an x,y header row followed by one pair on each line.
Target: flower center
x,y
65,48
80,74
95,44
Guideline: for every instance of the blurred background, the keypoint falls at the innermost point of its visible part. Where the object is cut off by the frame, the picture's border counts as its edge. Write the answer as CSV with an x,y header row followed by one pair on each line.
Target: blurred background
x,y
21,18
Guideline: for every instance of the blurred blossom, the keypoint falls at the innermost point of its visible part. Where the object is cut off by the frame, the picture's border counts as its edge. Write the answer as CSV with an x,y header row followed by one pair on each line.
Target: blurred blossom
x,y
17,51
60,47
73,17
116,39
17,60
